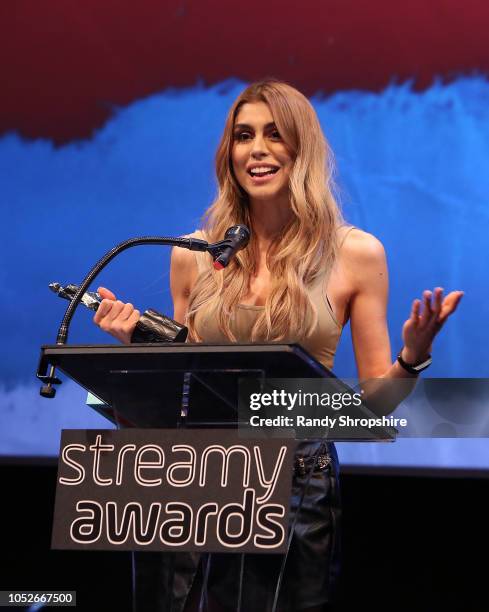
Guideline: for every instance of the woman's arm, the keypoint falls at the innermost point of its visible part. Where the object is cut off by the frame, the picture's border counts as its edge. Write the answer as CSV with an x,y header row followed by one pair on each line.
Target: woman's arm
x,y
365,264
183,274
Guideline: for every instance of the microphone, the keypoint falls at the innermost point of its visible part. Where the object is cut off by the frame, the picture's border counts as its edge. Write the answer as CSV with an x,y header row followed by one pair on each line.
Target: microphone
x,y
235,239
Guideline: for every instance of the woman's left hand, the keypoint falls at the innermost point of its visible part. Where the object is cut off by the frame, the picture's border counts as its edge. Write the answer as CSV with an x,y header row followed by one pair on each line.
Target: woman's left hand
x,y
421,328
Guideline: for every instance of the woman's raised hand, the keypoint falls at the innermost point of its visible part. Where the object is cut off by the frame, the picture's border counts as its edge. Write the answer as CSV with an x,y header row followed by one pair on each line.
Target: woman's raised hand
x,y
424,323
115,317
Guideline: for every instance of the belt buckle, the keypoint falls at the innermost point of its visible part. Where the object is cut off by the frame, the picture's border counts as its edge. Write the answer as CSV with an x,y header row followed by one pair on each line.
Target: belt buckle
x,y
322,462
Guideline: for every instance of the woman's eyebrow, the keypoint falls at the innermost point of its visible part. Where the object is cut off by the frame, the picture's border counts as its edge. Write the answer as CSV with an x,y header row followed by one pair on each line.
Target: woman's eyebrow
x,y
241,126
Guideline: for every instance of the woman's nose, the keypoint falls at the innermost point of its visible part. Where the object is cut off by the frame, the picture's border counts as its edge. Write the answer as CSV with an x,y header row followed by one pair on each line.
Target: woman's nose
x,y
259,148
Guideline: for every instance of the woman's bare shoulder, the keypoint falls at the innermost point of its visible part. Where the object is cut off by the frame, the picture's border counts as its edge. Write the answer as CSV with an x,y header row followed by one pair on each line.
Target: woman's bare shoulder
x,y
198,233
362,259
358,245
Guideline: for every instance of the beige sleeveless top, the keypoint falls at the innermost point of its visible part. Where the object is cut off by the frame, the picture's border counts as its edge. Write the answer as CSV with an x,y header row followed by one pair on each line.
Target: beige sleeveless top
x,y
321,343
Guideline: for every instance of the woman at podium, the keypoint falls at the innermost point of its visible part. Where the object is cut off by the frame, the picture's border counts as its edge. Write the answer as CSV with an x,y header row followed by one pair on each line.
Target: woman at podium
x,y
303,276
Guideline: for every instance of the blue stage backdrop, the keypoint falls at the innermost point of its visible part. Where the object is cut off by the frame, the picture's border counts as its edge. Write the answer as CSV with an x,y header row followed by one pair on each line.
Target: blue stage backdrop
x,y
104,134
412,170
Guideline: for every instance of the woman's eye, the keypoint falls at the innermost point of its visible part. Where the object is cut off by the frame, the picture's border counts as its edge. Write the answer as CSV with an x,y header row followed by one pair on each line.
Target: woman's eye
x,y
275,135
242,136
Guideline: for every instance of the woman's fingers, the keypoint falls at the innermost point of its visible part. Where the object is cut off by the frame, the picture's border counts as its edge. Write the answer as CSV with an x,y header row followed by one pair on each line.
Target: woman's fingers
x,y
427,312
438,298
432,306
106,293
426,320
449,305
126,312
131,322
115,311
116,317
435,310
436,306
120,322
415,311
103,310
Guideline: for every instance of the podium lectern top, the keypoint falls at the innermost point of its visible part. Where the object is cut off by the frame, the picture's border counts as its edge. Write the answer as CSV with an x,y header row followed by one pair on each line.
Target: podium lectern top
x,y
139,380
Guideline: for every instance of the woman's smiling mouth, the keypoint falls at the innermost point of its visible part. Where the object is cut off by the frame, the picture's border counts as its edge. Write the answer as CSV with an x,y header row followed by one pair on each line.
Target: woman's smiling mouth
x,y
262,173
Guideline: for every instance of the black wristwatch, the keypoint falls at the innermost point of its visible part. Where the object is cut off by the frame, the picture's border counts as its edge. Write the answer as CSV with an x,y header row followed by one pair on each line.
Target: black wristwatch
x,y
414,368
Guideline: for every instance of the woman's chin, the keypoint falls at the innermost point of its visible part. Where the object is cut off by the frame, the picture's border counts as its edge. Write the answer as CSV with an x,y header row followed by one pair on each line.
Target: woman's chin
x,y
266,192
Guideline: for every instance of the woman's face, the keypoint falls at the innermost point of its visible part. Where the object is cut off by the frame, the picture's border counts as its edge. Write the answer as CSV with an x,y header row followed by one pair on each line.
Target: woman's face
x,y
261,161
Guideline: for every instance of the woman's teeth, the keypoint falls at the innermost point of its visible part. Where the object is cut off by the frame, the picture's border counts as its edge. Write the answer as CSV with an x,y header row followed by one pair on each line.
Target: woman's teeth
x,y
262,171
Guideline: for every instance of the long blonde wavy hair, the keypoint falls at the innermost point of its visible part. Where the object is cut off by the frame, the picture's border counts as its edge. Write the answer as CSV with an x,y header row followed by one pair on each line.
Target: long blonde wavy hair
x,y
306,247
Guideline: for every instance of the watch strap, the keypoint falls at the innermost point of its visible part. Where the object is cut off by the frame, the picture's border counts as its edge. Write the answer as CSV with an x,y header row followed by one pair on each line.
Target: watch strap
x,y
414,368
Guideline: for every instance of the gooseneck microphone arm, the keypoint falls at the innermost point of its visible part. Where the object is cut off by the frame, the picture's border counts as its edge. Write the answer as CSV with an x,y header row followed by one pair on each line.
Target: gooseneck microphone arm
x,y
194,244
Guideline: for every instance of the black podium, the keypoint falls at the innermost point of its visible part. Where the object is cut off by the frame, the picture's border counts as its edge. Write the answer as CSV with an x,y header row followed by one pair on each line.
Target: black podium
x,y
189,385
165,386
